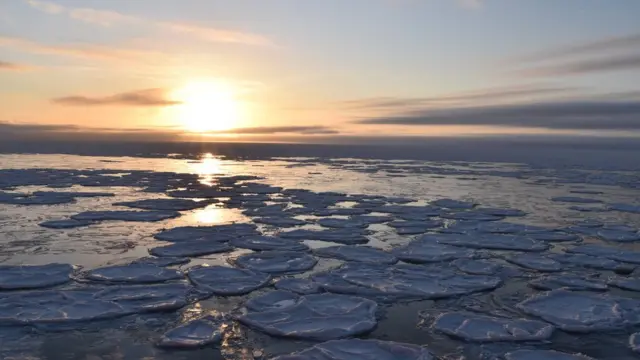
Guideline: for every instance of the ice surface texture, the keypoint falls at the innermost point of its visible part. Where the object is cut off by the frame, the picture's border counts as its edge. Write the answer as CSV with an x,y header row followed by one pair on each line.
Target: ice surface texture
x,y
86,304
165,204
363,254
479,328
218,233
488,241
544,355
190,248
357,349
580,312
272,300
298,286
340,236
317,317
265,243
227,281
196,333
65,224
34,276
151,215
134,273
277,262
426,252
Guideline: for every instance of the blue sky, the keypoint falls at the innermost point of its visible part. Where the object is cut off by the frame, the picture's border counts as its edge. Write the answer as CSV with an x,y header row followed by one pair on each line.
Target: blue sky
x,y
350,67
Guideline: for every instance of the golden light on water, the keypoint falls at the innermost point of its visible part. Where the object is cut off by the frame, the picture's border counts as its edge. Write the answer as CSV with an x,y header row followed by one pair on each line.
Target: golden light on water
x,y
207,106
207,168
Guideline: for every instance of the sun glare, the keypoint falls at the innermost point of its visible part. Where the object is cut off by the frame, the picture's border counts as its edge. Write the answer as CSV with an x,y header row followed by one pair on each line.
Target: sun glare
x,y
207,106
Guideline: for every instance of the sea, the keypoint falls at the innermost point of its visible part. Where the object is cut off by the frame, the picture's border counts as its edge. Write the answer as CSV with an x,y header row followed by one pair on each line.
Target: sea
x,y
448,249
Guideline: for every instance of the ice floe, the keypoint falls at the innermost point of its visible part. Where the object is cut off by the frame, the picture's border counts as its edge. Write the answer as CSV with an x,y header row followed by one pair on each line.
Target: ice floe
x,y
544,355
553,236
14,277
427,252
317,317
583,312
453,204
140,273
87,304
506,212
341,212
196,333
634,342
190,249
280,221
342,223
476,267
571,282
365,254
298,286
266,243
150,215
358,349
50,198
163,262
273,300
618,235
630,208
277,262
470,215
575,199
480,328
226,281
164,204
535,262
220,233
594,262
65,224
631,284
401,282
488,241
341,236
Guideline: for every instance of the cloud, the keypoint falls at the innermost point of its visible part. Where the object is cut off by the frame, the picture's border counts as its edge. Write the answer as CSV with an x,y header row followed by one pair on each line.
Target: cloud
x,y
146,97
598,47
493,94
8,66
263,130
576,115
107,18
588,66
83,51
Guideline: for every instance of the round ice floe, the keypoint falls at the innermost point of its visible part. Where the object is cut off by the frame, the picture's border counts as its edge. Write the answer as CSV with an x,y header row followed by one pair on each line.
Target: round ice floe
x,y
280,221
426,252
342,223
277,262
164,204
583,312
506,212
631,208
298,286
590,223
607,252
575,199
43,198
33,276
570,282
554,236
151,215
86,304
471,215
134,273
163,262
593,262
357,349
75,194
266,243
341,236
535,262
427,224
266,211
272,300
631,284
402,282
618,235
196,333
190,249
544,355
221,233
227,281
65,224
453,204
634,342
476,267
488,241
365,254
317,317
480,328
408,210
341,212
589,208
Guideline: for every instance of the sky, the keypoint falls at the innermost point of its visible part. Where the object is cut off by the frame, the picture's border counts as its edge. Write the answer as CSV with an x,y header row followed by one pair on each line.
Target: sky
x,y
250,69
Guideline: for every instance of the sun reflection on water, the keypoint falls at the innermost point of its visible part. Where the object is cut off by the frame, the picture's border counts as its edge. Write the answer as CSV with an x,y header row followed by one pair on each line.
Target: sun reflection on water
x,y
209,167
210,215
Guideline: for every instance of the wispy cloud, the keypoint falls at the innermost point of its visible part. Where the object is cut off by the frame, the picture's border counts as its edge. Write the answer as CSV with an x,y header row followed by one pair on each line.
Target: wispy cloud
x,y
9,66
619,53
576,115
84,51
588,66
146,97
108,18
497,94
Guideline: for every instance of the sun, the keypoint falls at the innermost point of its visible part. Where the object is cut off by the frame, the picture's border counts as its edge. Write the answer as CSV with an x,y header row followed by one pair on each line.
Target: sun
x,y
207,106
